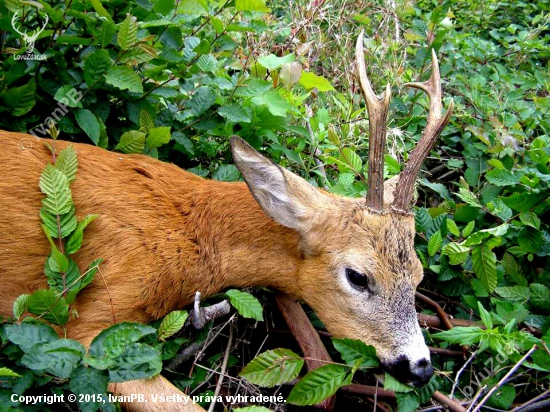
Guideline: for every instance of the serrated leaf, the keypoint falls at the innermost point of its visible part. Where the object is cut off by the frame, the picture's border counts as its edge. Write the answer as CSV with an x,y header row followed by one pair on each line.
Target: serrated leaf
x,y
26,335
276,104
202,100
453,228
540,297
457,253
54,184
131,142
88,123
356,353
352,159
59,357
485,316
484,263
146,121
435,243
311,80
49,306
469,198
530,219
21,99
67,162
138,361
252,5
462,335
67,223
272,62
124,78
87,380
468,229
273,368
235,113
106,34
172,323
95,66
127,33
207,63
226,173
392,384
158,136
407,402
514,293
502,177
246,304
20,305
100,348
318,384
74,242
6,372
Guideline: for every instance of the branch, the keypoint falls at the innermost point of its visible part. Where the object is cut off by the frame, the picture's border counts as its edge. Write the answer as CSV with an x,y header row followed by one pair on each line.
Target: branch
x,y
224,367
440,312
307,338
448,402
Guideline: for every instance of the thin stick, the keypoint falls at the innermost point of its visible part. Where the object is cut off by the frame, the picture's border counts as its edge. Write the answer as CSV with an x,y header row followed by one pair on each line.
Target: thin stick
x,y
526,404
224,367
448,402
478,394
440,312
505,378
460,372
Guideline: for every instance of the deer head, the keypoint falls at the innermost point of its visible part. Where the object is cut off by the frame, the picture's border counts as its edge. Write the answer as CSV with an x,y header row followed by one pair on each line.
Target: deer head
x,y
29,39
358,267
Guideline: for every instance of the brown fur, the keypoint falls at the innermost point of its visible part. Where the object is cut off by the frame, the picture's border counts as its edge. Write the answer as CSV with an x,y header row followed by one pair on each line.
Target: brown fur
x,y
165,233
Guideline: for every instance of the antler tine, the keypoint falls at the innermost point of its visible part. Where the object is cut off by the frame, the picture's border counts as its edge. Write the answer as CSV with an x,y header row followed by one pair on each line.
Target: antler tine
x,y
14,23
434,126
378,113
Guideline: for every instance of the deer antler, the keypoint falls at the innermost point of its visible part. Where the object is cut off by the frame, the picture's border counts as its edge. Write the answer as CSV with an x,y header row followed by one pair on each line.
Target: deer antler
x,y
378,113
434,126
14,24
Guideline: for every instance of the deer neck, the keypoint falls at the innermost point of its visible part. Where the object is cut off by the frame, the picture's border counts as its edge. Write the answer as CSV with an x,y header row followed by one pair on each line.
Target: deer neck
x,y
238,244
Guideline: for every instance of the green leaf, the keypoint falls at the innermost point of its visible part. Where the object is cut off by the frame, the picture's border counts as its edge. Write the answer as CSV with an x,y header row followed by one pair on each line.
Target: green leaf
x,y
435,243
462,335
95,66
530,219
273,368
127,33
457,253
67,223
68,96
392,384
246,304
469,198
530,240
163,6
20,305
311,80
21,99
468,229
172,323
514,293
252,5
124,78
88,122
74,242
54,184
131,142
26,335
356,353
352,159
290,74
275,103
318,384
6,372
98,348
59,357
407,402
226,173
106,34
453,228
158,136
485,316
87,380
503,397
98,7
272,62
540,297
502,177
138,361
67,162
207,63
146,121
49,306
202,100
484,262
235,113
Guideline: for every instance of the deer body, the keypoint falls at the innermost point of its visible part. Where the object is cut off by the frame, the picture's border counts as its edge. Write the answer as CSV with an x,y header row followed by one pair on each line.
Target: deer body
x,y
166,234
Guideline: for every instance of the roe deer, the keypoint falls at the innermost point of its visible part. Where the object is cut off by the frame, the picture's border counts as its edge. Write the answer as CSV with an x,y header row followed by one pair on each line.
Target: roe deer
x,y
166,233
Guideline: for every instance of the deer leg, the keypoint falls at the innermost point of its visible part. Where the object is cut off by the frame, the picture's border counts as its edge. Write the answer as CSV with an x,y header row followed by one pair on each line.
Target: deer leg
x,y
149,402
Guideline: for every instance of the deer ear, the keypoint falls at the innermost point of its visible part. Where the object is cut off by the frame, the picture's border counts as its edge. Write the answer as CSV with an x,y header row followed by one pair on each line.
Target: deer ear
x,y
285,197
390,187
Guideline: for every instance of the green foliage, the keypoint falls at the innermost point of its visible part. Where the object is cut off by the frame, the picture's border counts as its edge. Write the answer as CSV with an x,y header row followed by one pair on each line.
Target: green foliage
x,y
246,304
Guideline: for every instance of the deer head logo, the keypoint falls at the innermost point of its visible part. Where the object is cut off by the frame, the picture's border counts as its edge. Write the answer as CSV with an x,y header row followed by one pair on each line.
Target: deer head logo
x,y
28,38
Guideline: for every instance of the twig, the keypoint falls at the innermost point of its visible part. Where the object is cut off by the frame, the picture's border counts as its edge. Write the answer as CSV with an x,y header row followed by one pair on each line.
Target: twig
x,y
185,354
460,372
505,378
448,402
370,391
478,394
224,367
532,401
539,406
309,341
440,312
435,321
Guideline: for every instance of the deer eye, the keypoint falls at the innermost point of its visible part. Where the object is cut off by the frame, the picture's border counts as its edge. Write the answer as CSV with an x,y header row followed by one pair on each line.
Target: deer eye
x,y
358,280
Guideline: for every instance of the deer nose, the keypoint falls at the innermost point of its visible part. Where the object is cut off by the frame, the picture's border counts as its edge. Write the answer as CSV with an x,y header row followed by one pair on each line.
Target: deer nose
x,y
417,372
